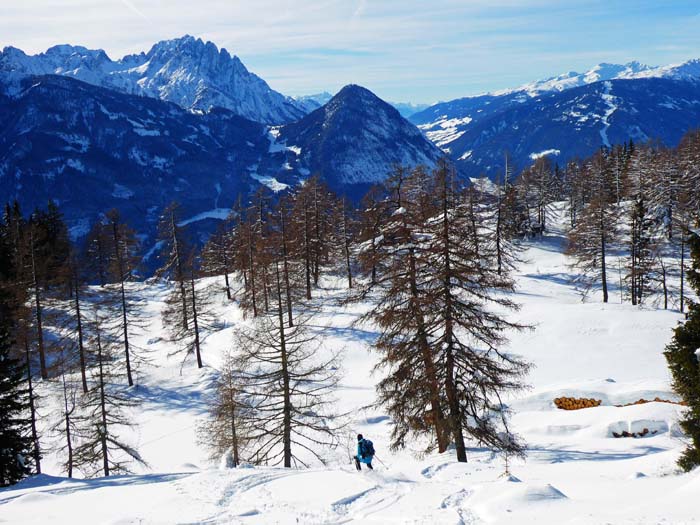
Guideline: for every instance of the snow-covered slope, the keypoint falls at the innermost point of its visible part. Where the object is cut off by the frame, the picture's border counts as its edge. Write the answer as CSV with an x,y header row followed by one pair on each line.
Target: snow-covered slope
x,y
600,72
570,113
576,471
93,149
355,139
187,71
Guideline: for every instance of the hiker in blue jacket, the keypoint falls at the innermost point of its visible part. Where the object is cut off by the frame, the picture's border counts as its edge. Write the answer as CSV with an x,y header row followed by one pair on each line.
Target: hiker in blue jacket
x,y
365,452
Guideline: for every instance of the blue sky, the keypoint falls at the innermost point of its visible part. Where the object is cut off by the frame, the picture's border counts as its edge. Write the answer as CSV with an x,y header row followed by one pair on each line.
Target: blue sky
x,y
403,50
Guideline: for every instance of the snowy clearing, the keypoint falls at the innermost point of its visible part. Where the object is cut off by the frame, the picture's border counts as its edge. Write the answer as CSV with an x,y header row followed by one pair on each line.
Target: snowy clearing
x,y
576,470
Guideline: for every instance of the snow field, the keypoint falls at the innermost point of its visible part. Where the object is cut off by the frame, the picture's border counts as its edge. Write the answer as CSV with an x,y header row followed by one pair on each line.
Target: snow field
x,y
576,471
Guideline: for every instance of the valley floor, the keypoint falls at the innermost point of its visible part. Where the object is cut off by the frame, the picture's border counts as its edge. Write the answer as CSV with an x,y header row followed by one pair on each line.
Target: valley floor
x,y
576,471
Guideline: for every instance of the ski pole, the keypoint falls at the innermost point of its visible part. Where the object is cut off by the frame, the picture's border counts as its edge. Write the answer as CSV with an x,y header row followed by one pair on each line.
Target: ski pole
x,y
380,461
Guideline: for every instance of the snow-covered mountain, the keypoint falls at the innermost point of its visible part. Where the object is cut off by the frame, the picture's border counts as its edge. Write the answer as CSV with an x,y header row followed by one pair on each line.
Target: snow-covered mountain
x,y
355,138
569,115
572,79
187,71
315,101
91,149
409,108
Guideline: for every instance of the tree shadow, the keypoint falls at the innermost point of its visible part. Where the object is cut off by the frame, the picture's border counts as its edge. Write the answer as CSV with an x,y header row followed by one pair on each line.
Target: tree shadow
x,y
563,455
70,486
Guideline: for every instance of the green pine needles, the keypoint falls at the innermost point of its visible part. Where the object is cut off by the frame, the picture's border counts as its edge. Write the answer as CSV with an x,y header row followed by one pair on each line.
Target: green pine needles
x,y
683,356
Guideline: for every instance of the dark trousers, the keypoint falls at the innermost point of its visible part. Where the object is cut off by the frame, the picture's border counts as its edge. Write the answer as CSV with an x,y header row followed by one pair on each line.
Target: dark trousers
x,y
358,464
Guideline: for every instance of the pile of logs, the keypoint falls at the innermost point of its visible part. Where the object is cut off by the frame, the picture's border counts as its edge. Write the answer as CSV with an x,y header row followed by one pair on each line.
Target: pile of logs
x,y
655,400
576,403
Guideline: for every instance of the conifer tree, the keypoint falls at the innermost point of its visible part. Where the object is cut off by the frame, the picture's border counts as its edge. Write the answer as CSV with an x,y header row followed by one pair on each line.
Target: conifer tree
x,y
536,188
123,256
683,361
103,411
642,258
76,321
174,254
345,231
66,425
372,215
597,227
16,443
198,302
468,333
218,256
96,252
411,387
286,387
225,432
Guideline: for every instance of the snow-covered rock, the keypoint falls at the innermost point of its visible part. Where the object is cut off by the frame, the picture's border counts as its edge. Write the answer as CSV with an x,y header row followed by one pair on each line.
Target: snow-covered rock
x,y
187,71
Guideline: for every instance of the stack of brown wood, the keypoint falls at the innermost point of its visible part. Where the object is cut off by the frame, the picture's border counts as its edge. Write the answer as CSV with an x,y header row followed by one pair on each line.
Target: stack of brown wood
x,y
576,403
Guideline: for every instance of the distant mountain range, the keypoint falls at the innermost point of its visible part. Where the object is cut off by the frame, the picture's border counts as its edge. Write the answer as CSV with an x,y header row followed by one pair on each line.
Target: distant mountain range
x,y
188,122
311,102
566,116
91,149
187,71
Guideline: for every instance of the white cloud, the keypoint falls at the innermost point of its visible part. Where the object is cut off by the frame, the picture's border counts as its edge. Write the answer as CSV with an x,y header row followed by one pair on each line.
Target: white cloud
x,y
402,49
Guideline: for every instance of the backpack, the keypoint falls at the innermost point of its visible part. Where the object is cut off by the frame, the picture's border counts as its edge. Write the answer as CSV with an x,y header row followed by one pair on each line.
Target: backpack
x,y
367,447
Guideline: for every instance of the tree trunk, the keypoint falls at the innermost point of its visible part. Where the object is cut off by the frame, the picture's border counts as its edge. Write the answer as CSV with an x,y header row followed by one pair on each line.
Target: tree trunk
x,y
125,324
228,286
288,293
32,407
103,407
633,267
307,254
195,323
455,419
603,275
66,413
100,259
346,245
234,433
251,269
81,347
180,272
663,283
682,270
499,227
430,371
317,251
266,286
286,392
39,315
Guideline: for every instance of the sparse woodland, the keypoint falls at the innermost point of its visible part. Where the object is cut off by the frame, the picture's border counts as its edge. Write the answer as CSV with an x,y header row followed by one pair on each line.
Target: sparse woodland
x,y
433,255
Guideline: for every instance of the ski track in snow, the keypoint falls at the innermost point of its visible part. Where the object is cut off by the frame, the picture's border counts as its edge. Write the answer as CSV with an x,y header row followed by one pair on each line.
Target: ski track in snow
x,y
609,100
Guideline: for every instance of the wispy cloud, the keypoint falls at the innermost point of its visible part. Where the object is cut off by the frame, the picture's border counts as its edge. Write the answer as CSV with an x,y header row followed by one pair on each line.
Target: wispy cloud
x,y
130,5
403,49
360,9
